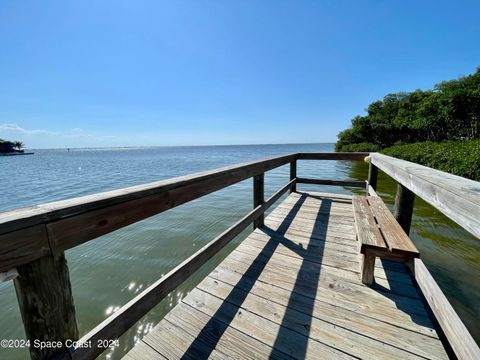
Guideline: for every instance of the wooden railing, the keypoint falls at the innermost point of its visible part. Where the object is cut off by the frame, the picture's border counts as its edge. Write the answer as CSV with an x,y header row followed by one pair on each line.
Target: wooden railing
x,y
33,241
457,198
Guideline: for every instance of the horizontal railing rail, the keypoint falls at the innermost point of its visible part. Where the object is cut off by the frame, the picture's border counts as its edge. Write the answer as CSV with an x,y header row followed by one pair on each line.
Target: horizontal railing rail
x,y
31,233
456,197
359,156
458,337
33,239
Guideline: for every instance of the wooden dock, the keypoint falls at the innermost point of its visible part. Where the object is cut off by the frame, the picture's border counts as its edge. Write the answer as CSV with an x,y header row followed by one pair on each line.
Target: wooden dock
x,y
292,289
323,276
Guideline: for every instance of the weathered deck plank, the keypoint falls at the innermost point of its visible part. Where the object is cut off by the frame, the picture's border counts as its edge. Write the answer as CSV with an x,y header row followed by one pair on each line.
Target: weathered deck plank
x,y
292,290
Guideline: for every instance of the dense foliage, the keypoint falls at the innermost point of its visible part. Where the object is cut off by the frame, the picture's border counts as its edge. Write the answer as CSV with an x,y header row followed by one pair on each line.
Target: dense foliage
x,y
457,157
361,147
10,146
449,112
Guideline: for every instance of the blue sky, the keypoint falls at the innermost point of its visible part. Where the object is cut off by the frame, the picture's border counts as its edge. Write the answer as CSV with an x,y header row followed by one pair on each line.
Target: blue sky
x,y
128,73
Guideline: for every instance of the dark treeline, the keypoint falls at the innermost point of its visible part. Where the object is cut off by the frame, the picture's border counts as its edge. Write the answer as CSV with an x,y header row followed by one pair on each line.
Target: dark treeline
x,y
449,112
10,146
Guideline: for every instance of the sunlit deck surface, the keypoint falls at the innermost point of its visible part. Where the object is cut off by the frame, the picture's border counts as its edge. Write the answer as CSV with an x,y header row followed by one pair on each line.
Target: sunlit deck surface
x,y
292,289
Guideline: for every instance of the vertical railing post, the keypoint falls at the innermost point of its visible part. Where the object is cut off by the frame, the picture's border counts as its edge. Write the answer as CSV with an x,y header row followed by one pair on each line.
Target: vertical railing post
x,y
404,200
46,304
293,175
258,197
372,176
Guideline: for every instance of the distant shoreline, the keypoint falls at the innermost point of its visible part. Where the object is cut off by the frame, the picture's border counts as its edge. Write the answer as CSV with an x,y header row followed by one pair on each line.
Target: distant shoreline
x,y
172,146
14,153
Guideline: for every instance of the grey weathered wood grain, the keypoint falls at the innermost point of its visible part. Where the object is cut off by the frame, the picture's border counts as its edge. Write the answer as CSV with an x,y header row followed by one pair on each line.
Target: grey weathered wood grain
x,y
333,266
456,197
187,322
46,304
367,230
457,334
346,315
379,234
316,196
323,218
334,283
359,156
331,251
142,351
325,333
262,294
265,328
271,287
339,244
179,331
28,245
395,237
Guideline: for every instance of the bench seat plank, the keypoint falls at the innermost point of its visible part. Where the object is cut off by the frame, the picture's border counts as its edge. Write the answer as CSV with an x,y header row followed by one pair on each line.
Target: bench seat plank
x,y
395,237
379,235
367,230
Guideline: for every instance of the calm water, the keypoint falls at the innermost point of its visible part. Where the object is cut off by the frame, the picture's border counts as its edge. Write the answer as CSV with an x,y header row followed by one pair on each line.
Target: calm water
x,y
110,270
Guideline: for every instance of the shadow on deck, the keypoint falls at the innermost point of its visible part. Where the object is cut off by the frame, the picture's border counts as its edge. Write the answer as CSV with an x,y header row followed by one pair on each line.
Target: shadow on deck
x,y
292,290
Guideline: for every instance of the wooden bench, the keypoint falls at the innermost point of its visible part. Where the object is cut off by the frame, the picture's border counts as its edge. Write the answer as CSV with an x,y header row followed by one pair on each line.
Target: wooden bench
x,y
379,235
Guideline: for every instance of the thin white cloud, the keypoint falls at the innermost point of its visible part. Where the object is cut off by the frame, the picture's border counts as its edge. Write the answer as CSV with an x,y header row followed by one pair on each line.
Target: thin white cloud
x,y
17,128
77,137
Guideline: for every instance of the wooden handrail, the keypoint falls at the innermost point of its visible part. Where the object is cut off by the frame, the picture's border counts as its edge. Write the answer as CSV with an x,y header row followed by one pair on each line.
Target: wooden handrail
x,y
459,338
31,233
358,156
456,197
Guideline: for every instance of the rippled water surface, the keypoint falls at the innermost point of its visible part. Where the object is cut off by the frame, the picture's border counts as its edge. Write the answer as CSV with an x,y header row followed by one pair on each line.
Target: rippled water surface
x,y
109,271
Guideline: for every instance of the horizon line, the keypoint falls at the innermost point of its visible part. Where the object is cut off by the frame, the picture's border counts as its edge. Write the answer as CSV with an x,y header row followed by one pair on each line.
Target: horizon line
x,y
174,146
